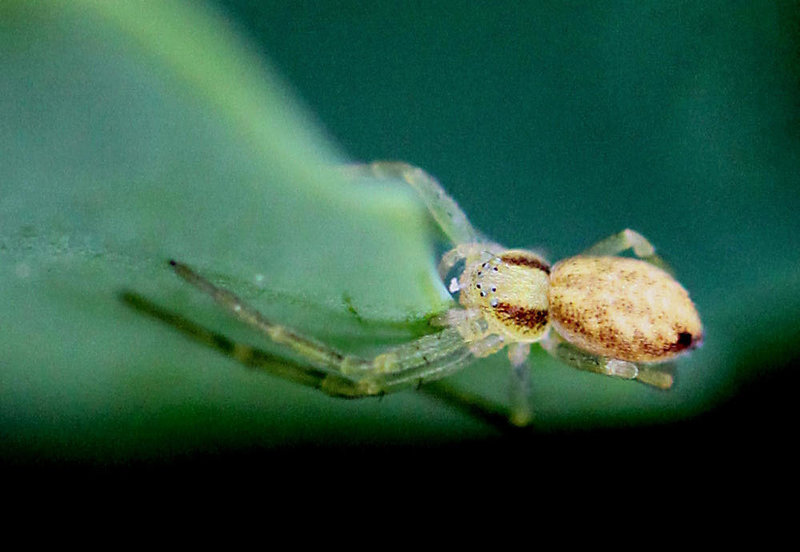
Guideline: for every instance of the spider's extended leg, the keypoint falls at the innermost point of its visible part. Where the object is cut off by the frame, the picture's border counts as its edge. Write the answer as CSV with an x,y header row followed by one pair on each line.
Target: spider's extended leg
x,y
520,385
657,375
248,355
443,208
628,239
429,357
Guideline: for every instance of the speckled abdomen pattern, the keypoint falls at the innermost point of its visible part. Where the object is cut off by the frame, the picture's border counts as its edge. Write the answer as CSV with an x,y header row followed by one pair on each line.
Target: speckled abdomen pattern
x,y
622,308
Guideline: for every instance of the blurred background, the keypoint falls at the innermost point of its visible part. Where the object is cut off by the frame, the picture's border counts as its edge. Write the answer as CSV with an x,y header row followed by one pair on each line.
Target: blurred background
x,y
552,124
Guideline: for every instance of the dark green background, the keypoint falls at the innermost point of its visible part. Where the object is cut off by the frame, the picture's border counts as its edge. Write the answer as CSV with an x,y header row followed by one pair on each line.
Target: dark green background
x,y
554,125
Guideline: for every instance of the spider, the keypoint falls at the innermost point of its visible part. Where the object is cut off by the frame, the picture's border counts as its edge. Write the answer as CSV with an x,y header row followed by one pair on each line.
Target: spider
x,y
618,316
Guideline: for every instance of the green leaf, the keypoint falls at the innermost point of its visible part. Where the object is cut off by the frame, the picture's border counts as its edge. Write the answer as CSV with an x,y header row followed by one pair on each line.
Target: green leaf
x,y
132,133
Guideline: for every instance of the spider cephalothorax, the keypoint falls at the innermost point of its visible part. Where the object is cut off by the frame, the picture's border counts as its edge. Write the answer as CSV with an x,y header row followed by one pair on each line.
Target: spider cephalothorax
x,y
511,291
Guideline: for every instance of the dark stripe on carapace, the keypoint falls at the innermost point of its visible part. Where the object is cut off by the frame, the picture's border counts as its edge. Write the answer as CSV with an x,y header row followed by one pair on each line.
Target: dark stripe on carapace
x,y
529,318
522,260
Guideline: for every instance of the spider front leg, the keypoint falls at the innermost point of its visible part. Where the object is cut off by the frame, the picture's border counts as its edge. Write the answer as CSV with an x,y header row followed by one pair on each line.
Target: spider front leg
x,y
443,208
429,357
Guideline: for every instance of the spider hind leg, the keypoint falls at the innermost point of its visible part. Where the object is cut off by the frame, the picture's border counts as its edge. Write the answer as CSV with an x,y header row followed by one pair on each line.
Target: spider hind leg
x,y
660,375
628,239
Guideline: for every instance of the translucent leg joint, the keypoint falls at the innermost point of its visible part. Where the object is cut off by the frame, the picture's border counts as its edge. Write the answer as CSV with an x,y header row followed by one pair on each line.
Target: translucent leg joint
x,y
628,239
641,247
384,363
621,369
340,387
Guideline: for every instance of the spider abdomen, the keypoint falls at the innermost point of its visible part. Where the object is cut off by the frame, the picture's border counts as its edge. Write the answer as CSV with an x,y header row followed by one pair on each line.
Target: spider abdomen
x,y
622,308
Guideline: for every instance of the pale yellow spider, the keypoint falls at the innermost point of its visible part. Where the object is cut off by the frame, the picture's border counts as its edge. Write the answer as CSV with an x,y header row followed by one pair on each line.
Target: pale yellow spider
x,y
617,316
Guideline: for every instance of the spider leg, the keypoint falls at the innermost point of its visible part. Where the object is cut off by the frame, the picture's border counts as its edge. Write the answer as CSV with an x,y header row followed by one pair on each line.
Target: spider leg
x,y
656,375
520,385
443,208
628,239
429,357
248,355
